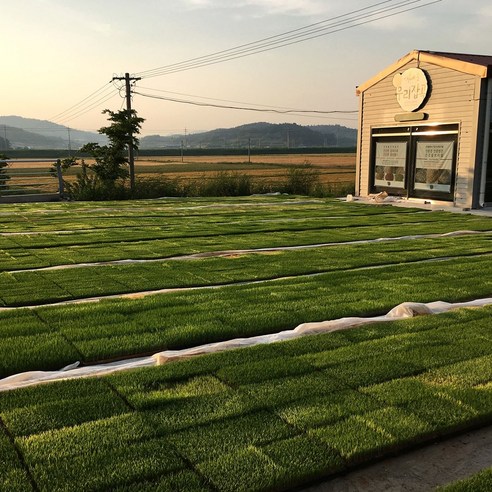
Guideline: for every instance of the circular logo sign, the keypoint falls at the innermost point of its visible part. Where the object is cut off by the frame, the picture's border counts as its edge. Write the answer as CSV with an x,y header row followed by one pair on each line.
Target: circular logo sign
x,y
411,88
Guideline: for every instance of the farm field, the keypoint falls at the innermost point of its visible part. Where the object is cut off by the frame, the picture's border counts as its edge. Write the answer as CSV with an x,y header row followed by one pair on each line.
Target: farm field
x,y
333,168
336,171
78,283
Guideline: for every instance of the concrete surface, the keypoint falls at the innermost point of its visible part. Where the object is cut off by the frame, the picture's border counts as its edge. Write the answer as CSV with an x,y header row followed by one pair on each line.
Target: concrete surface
x,y
420,470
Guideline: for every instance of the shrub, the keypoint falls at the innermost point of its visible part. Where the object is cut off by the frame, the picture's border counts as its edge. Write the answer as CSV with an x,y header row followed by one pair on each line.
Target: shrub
x,y
302,180
226,184
156,187
89,186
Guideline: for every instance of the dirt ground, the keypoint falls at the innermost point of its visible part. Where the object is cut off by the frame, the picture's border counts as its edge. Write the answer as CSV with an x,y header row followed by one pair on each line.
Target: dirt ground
x,y
420,470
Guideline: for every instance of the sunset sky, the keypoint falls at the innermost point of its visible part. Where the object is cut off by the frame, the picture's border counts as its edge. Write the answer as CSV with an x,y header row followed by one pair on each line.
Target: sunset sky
x,y
59,56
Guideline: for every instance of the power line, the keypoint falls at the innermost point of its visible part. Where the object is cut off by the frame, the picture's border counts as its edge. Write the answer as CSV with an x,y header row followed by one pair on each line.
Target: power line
x,y
339,23
96,104
267,107
83,102
297,112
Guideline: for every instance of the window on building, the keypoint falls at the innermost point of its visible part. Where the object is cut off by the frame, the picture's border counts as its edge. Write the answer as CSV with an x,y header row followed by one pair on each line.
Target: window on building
x,y
415,161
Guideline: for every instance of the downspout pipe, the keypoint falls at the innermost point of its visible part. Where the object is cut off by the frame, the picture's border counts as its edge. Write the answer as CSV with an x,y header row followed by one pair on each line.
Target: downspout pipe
x,y
486,143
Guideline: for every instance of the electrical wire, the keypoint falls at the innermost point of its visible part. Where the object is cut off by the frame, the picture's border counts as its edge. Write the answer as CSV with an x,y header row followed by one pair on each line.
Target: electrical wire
x,y
297,112
336,24
81,104
92,106
215,99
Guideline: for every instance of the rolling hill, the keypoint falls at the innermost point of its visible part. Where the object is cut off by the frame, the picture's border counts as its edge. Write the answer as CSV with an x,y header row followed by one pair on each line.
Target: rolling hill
x,y
41,134
259,135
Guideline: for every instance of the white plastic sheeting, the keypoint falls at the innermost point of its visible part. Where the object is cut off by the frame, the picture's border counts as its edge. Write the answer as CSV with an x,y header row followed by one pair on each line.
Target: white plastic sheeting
x,y
405,310
236,252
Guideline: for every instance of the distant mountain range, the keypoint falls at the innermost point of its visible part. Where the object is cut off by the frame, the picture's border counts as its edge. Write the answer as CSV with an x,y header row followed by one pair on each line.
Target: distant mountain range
x,y
259,135
17,132
41,134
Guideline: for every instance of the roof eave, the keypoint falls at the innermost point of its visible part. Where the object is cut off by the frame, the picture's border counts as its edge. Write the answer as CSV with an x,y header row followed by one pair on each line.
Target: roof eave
x,y
481,71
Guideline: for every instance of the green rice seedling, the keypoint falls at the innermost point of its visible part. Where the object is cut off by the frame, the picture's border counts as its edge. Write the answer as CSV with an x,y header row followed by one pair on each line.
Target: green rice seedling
x,y
401,392
327,409
66,403
32,289
109,328
13,477
48,351
188,413
322,342
98,438
397,327
40,416
404,426
434,355
303,458
179,336
107,348
466,374
226,436
254,372
54,392
354,439
478,398
444,412
477,482
389,346
108,468
371,370
280,391
244,470
181,370
170,391
86,282
180,481
21,323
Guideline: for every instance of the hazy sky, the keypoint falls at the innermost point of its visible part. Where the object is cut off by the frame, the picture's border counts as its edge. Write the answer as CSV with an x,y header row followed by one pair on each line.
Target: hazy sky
x,y
58,52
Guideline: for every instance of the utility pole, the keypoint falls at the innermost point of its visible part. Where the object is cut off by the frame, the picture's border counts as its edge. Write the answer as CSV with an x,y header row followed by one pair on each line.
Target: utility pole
x,y
69,143
131,157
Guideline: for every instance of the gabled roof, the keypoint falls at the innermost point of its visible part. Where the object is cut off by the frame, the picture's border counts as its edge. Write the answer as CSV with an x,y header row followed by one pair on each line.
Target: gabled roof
x,y
480,65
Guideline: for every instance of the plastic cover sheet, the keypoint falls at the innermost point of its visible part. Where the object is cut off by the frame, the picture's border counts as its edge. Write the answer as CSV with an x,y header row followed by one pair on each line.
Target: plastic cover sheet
x,y
404,310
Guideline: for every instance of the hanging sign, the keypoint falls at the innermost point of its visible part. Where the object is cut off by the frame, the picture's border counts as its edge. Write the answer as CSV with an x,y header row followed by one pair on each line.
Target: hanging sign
x,y
411,88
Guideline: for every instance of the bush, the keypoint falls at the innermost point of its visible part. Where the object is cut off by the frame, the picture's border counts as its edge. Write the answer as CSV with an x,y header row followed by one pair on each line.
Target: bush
x,y
226,184
302,180
156,187
91,187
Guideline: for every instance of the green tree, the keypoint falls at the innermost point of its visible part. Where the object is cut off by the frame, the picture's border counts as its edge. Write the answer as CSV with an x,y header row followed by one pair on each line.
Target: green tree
x,y
111,160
